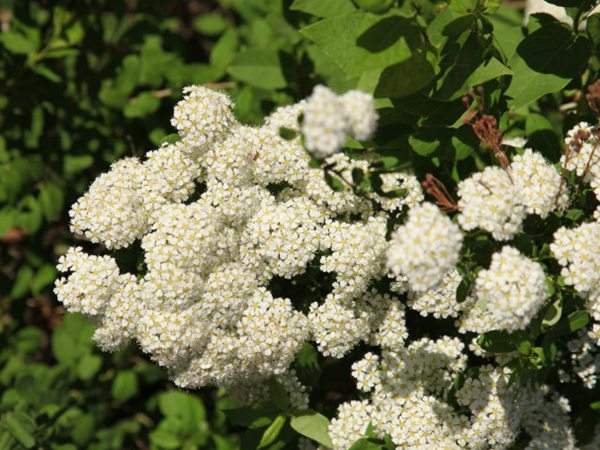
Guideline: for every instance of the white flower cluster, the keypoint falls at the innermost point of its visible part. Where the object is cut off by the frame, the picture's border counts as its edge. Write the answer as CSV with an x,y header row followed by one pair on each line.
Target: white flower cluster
x,y
404,406
498,200
329,119
513,289
425,248
232,218
220,215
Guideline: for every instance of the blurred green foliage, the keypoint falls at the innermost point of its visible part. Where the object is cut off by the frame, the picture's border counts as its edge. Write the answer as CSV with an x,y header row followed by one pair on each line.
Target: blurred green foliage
x,y
86,82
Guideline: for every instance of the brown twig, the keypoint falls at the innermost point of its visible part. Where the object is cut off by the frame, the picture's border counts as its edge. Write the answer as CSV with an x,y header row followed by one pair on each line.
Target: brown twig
x,y
438,191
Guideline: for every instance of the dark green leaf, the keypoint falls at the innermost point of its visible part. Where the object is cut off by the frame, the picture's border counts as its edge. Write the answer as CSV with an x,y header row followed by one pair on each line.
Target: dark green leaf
x,y
125,385
51,199
366,444
44,276
593,29
578,320
545,62
22,283
496,342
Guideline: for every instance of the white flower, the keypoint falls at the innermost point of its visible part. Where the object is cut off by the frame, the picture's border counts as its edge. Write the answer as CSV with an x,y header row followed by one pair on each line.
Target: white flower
x,y
539,185
203,116
359,109
425,248
513,289
490,200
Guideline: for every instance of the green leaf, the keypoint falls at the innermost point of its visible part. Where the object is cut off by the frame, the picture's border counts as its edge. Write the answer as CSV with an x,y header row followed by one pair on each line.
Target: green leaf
x,y
322,8
360,42
259,67
72,339
22,283
30,214
507,23
574,214
142,105
47,73
21,427
448,23
593,29
211,24
76,163
578,320
366,444
595,405
272,432
424,143
125,385
52,199
224,50
44,276
545,62
88,366
313,426
165,439
489,70
496,342
375,6
186,407
16,42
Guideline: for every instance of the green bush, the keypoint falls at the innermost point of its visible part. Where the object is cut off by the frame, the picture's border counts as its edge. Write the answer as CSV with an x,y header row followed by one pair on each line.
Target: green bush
x,y
86,83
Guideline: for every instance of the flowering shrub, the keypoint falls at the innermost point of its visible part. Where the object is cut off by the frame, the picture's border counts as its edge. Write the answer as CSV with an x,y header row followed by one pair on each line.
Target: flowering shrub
x,y
406,258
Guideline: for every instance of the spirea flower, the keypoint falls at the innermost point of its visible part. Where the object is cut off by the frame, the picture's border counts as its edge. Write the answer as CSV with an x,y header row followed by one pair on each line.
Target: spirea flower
x,y
112,212
426,248
539,185
328,119
513,288
203,116
489,200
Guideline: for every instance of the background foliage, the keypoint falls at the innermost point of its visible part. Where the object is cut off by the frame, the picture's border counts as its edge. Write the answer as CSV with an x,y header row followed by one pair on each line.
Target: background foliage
x,y
87,82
